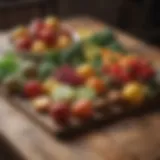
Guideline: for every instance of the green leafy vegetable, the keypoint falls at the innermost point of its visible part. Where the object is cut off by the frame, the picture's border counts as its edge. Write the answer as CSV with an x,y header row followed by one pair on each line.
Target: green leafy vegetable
x,y
9,64
102,38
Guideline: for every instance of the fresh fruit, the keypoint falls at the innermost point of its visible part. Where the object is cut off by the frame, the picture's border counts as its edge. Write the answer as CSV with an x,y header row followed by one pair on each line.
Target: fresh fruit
x,y
134,93
85,71
68,75
23,43
38,46
60,112
33,88
19,32
63,93
41,104
85,93
49,85
29,69
35,27
52,22
48,36
82,109
97,84
63,41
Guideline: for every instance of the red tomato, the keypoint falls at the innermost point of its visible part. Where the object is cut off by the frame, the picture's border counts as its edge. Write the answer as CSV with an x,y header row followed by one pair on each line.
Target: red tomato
x,y
48,36
60,112
33,88
36,26
82,109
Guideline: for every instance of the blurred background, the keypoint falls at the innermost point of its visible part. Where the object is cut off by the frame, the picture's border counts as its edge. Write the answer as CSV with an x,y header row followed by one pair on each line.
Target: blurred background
x,y
139,17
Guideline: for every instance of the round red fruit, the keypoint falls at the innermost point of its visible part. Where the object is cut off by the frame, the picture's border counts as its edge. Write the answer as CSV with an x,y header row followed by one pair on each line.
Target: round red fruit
x,y
82,109
48,36
60,112
36,26
147,73
33,88
115,71
23,43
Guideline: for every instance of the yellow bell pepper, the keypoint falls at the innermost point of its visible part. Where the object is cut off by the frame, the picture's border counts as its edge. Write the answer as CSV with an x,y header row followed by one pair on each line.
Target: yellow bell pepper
x,y
134,92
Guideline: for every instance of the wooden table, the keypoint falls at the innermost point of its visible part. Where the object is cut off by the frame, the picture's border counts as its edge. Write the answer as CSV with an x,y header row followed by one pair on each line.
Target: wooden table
x,y
133,138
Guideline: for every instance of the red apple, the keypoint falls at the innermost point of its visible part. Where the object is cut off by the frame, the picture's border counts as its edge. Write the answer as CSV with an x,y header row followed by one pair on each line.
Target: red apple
x,y
23,43
60,112
33,88
36,26
48,36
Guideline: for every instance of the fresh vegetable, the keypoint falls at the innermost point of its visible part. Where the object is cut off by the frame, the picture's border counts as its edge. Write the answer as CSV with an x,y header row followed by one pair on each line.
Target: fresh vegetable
x,y
102,38
82,109
9,64
45,69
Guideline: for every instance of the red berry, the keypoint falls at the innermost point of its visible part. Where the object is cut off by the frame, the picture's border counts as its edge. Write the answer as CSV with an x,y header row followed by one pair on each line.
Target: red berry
x,y
23,43
33,88
60,112
48,36
67,74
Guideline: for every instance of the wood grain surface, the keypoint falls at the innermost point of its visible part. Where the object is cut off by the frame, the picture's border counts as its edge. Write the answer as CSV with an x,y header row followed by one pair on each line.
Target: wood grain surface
x,y
132,138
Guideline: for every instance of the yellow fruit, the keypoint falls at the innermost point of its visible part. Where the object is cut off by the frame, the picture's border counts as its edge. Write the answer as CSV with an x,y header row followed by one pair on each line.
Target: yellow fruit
x,y
49,85
63,41
41,103
19,32
52,22
134,92
38,46
85,71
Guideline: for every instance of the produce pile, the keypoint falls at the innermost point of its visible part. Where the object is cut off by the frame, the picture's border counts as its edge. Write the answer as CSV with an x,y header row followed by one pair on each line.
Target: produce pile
x,y
81,81
41,35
